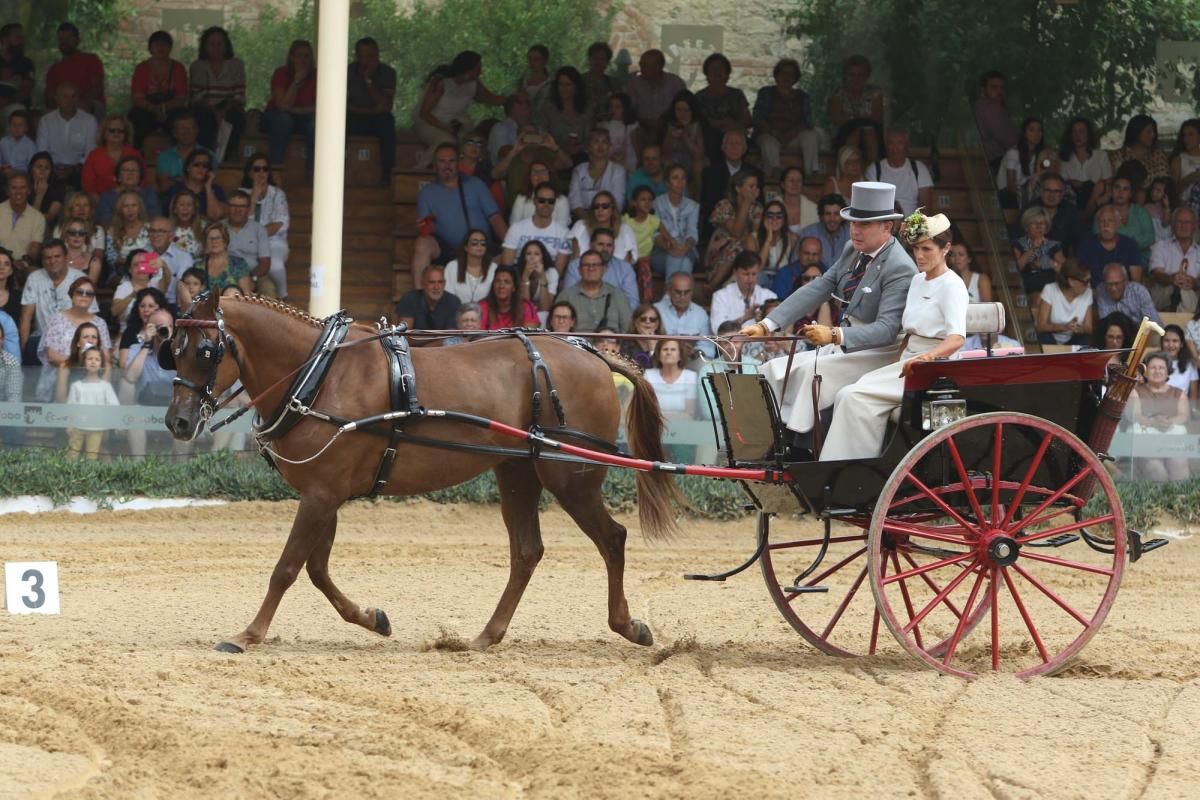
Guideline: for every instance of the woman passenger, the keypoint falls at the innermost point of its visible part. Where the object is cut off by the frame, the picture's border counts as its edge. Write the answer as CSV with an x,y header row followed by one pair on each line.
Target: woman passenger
x,y
934,326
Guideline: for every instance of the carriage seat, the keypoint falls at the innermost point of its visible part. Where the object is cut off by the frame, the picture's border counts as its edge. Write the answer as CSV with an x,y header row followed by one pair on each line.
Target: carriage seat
x,y
987,320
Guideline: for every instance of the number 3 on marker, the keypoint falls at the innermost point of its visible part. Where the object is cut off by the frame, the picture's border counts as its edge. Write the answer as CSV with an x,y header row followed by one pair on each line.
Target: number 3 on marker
x,y
31,587
37,596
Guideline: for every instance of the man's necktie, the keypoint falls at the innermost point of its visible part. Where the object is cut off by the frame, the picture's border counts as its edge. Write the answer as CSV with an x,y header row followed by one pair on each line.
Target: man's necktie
x,y
855,277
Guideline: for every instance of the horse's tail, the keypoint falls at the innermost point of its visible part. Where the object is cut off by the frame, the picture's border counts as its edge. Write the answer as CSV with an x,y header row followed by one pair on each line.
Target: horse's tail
x,y
657,491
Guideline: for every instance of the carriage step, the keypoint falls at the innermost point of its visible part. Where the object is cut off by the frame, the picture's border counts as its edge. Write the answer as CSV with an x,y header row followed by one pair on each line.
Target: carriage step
x,y
1055,541
806,589
835,513
698,576
1154,544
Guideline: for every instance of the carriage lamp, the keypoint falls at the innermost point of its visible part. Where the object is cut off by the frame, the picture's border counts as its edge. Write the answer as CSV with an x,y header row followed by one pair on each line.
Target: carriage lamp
x,y
942,407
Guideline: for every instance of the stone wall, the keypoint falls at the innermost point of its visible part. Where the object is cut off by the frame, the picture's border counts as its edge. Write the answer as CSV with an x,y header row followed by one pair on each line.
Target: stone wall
x,y
749,32
185,19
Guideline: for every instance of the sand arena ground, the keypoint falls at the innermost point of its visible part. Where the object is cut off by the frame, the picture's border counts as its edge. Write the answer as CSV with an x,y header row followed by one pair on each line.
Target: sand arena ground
x,y
122,696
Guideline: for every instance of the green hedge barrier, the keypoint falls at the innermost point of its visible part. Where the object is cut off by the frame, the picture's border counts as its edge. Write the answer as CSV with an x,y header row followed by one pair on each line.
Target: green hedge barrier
x,y
228,476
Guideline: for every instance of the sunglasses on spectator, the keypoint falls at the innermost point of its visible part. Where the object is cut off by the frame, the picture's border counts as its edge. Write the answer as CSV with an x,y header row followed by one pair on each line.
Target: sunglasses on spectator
x,y
546,201
808,278
601,206
477,242
84,293
774,215
476,142
117,130
260,168
76,232
647,318
161,230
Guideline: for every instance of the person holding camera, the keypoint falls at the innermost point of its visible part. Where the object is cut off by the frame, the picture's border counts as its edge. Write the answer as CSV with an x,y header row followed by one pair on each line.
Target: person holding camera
x,y
143,269
143,381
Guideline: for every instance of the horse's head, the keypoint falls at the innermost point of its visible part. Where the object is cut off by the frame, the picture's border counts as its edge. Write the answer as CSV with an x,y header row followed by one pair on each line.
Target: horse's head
x,y
198,353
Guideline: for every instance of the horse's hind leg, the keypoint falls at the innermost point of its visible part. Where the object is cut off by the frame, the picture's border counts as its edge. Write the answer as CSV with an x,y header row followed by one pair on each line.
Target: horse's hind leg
x,y
519,492
315,517
373,619
579,494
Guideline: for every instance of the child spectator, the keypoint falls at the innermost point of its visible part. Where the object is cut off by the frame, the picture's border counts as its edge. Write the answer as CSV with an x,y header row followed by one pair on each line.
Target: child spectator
x,y
16,148
644,225
191,283
90,390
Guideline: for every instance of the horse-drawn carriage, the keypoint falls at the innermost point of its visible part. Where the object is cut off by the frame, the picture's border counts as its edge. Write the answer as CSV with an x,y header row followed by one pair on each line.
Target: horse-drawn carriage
x,y
989,531
990,506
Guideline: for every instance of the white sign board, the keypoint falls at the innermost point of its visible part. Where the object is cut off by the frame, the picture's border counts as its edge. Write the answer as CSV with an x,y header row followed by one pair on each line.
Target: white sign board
x,y
31,587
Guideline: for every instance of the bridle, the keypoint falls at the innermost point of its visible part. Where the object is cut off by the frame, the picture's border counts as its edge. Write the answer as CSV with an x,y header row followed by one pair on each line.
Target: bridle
x,y
209,350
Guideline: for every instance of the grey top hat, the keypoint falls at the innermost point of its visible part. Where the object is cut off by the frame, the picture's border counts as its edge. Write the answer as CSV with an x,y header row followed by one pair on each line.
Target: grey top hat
x,y
871,202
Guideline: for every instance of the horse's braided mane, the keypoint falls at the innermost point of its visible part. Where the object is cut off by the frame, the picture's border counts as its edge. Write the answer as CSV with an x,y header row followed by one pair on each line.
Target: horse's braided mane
x,y
280,306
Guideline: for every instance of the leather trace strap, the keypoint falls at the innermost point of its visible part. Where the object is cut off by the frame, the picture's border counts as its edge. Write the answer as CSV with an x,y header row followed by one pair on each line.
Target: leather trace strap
x,y
402,394
308,380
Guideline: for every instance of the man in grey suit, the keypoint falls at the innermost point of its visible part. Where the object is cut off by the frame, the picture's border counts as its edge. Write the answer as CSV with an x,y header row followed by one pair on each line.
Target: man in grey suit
x,y
870,283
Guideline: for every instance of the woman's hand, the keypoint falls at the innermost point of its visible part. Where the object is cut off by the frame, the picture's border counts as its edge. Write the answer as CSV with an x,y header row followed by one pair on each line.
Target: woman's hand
x,y
746,194
907,366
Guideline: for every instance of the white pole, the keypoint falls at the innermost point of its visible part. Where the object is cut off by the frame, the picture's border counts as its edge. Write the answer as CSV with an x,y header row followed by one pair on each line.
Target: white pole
x,y
329,179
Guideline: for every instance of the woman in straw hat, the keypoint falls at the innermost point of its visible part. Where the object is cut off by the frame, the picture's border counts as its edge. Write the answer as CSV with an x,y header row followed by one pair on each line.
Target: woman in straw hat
x,y
934,326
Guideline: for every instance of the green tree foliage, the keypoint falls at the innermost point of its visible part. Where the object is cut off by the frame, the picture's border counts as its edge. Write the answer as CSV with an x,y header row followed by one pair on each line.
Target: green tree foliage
x,y
417,39
1095,57
99,23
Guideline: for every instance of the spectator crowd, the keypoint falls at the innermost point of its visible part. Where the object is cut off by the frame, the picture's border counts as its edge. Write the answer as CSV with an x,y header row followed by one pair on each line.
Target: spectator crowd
x,y
596,202
1104,238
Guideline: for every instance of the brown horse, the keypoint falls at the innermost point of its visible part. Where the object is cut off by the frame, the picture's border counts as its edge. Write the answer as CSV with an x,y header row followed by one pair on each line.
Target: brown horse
x,y
262,342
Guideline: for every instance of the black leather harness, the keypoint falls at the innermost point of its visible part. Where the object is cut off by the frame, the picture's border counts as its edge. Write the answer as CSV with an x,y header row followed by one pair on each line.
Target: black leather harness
x,y
404,404
402,392
304,388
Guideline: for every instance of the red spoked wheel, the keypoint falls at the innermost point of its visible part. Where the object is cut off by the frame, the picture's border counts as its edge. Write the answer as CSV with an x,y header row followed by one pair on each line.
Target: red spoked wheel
x,y
843,621
990,513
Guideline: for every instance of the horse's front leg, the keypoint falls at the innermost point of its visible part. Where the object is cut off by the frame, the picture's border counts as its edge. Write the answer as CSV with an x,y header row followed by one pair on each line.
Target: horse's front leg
x,y
315,520
373,619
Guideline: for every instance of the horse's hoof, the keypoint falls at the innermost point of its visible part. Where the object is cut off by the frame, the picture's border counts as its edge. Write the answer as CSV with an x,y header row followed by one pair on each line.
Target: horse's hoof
x,y
644,637
229,647
382,626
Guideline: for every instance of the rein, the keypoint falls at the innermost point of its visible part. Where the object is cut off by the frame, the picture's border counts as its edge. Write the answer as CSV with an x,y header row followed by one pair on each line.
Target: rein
x,y
481,334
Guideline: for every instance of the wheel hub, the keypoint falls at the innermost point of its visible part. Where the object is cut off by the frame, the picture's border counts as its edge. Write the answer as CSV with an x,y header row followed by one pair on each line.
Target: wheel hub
x,y
1003,550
